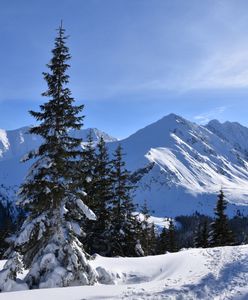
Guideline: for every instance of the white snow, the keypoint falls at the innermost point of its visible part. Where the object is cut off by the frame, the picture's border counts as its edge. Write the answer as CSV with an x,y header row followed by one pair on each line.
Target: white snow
x,y
4,142
86,210
204,274
192,163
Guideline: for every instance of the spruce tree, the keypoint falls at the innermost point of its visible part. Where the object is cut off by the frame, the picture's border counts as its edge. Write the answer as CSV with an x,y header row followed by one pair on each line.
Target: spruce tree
x,y
147,235
162,245
48,239
86,171
98,239
171,239
201,237
123,222
220,234
7,228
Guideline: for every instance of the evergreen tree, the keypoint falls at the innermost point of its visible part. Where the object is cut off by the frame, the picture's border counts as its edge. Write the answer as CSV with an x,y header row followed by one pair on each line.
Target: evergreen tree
x,y
162,244
220,234
201,238
171,239
147,235
98,239
123,222
86,169
48,239
7,227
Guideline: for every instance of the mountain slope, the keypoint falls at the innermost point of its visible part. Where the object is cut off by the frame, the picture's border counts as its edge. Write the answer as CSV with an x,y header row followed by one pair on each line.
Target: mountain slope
x,y
191,164
14,144
232,132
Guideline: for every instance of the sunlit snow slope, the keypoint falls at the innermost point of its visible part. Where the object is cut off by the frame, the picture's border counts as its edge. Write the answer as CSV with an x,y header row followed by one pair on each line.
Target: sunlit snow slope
x,y
195,274
14,144
192,163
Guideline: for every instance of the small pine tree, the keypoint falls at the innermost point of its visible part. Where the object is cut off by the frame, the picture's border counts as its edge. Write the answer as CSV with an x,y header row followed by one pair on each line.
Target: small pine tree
x,y
171,238
162,245
147,235
220,234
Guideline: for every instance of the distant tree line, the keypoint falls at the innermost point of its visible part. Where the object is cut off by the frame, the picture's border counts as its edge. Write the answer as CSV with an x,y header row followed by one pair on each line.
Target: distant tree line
x,y
122,231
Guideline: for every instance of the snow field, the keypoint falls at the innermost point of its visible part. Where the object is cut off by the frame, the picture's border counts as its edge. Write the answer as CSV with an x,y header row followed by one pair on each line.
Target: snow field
x,y
214,273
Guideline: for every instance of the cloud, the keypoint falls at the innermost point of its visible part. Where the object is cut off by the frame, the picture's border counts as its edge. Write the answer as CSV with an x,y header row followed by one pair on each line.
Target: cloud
x,y
210,115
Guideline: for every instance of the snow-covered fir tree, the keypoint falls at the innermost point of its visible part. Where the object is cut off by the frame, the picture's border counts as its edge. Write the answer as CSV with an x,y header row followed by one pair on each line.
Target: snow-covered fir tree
x,y
48,240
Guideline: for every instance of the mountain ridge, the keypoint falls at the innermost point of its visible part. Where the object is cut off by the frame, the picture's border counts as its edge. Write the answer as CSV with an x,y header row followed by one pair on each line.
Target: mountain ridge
x,y
191,163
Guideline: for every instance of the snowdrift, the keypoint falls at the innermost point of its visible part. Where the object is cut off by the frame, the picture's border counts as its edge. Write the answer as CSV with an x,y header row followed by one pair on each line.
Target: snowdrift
x,y
214,273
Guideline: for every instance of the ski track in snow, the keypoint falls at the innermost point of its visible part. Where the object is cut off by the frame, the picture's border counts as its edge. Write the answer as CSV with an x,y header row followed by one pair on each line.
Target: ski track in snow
x,y
204,274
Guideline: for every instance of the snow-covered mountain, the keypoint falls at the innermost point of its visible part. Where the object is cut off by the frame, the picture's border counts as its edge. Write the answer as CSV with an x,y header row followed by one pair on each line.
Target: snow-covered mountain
x,y
190,163
15,143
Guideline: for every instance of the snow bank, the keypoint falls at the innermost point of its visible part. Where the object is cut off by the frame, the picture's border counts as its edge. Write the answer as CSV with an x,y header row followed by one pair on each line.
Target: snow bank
x,y
216,273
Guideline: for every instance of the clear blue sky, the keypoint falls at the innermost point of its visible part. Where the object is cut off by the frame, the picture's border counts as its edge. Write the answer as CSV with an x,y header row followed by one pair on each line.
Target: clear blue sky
x,y
133,61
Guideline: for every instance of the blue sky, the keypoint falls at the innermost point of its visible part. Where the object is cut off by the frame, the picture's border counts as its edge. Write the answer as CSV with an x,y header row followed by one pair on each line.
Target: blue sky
x,y
133,61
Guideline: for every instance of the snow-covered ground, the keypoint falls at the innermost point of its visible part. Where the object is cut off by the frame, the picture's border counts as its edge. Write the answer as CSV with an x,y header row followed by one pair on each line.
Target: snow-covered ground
x,y
216,273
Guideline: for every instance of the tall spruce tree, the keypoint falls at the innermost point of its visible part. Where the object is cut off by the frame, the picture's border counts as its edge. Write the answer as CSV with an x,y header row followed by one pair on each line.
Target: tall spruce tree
x,y
48,239
220,234
123,221
98,239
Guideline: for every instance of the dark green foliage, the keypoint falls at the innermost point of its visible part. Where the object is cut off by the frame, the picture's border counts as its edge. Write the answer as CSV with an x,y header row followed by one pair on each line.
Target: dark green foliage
x,y
188,226
50,195
123,222
162,242
220,234
87,171
99,192
171,238
167,240
137,175
201,237
52,173
7,228
146,234
239,227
